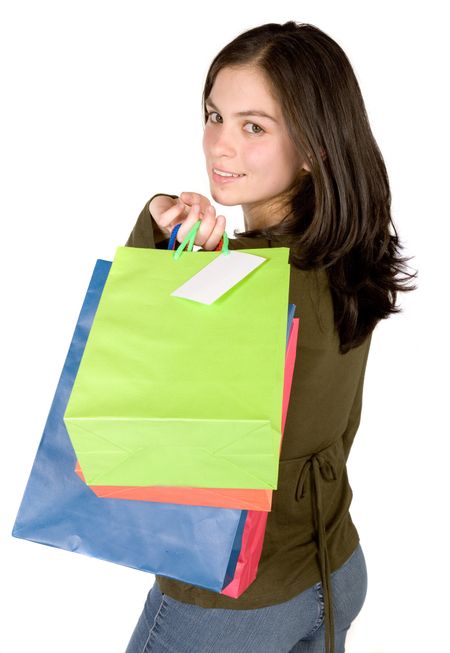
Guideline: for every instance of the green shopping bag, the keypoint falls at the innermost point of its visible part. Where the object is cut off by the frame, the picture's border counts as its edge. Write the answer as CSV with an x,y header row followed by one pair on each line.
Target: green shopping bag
x,y
174,392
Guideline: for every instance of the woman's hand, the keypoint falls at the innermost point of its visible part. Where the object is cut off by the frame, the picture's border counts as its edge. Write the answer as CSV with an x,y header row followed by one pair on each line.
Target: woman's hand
x,y
190,207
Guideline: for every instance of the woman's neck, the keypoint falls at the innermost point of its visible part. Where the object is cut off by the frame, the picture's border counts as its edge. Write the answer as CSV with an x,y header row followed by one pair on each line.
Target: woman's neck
x,y
266,213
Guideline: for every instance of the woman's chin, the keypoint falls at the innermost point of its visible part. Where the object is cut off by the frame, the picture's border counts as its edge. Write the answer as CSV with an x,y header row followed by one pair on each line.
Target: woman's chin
x,y
221,197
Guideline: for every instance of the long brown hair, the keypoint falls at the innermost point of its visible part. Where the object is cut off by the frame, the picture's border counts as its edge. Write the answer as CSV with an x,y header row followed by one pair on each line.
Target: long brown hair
x,y
338,215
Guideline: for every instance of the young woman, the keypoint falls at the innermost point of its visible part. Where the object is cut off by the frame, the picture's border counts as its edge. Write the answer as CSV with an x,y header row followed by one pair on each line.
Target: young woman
x,y
287,137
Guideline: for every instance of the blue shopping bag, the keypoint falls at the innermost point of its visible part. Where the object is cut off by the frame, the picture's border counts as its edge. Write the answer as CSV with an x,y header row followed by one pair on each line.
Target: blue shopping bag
x,y
195,544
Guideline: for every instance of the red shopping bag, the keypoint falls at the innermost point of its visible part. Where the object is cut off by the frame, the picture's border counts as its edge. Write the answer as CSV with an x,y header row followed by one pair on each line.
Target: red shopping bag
x,y
255,524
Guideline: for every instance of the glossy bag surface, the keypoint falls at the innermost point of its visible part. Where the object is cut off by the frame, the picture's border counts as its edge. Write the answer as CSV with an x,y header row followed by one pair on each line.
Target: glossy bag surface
x,y
198,545
243,499
145,410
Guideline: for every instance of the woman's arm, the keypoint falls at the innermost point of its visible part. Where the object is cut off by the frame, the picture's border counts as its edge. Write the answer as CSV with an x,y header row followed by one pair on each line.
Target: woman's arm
x,y
146,232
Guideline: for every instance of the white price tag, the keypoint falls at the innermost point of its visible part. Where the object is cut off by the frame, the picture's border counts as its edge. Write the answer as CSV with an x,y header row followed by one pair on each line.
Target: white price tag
x,y
216,278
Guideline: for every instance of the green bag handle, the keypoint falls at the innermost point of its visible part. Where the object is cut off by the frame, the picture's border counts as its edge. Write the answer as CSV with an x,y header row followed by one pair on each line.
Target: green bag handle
x,y
190,239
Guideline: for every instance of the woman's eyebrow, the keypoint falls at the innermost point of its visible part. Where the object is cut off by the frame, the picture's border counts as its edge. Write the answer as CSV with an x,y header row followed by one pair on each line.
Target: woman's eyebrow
x,y
248,112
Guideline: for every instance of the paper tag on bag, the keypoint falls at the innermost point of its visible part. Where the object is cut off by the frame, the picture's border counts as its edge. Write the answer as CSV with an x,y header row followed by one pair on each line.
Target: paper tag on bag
x,y
215,279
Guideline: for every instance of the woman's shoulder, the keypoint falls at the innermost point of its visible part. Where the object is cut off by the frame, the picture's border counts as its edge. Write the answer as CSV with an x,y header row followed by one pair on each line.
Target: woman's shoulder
x,y
146,232
249,242
317,277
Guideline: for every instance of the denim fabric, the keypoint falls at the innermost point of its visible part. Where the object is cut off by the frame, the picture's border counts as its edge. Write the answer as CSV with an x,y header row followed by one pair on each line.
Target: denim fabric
x,y
296,626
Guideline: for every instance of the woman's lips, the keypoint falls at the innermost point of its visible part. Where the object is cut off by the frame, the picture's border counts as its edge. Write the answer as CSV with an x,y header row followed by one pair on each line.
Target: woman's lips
x,y
220,179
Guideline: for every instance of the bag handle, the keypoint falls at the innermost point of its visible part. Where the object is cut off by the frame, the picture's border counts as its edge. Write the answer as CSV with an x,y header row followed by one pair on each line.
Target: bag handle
x,y
190,239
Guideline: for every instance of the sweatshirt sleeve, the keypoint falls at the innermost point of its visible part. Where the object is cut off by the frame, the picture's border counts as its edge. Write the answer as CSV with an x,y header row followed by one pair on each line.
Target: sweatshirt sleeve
x,y
146,232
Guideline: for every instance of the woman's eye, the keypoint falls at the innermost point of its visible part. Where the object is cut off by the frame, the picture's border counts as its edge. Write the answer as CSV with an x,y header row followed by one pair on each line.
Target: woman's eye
x,y
260,130
212,113
257,126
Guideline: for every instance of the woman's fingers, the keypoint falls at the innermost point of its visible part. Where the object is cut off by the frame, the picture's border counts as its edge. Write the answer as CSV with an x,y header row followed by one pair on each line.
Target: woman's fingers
x,y
173,216
210,230
195,198
188,223
206,227
186,211
216,234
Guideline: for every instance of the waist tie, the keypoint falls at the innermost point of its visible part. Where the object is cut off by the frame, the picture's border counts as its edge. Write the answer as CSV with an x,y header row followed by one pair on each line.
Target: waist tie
x,y
321,469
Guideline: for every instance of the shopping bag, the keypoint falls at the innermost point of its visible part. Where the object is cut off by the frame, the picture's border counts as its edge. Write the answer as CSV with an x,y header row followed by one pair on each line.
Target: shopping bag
x,y
195,544
218,497
250,555
255,524
145,410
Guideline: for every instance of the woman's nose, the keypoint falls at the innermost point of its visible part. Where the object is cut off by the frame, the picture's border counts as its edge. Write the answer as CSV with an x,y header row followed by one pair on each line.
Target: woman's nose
x,y
223,142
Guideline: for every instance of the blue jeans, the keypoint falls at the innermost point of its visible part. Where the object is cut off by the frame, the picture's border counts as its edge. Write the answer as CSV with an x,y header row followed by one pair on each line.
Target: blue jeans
x,y
296,626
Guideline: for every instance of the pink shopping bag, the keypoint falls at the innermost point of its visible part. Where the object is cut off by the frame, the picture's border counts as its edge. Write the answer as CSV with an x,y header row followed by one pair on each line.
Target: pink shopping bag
x,y
255,524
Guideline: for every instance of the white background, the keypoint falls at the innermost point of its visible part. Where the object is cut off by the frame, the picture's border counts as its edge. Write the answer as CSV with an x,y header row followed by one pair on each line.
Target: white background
x,y
100,109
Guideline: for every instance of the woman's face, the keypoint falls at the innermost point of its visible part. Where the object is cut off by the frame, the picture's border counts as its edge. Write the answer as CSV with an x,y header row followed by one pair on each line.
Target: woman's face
x,y
258,147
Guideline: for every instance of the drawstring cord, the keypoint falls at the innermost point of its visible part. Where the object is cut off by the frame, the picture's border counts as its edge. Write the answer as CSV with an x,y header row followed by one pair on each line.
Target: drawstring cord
x,y
321,469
